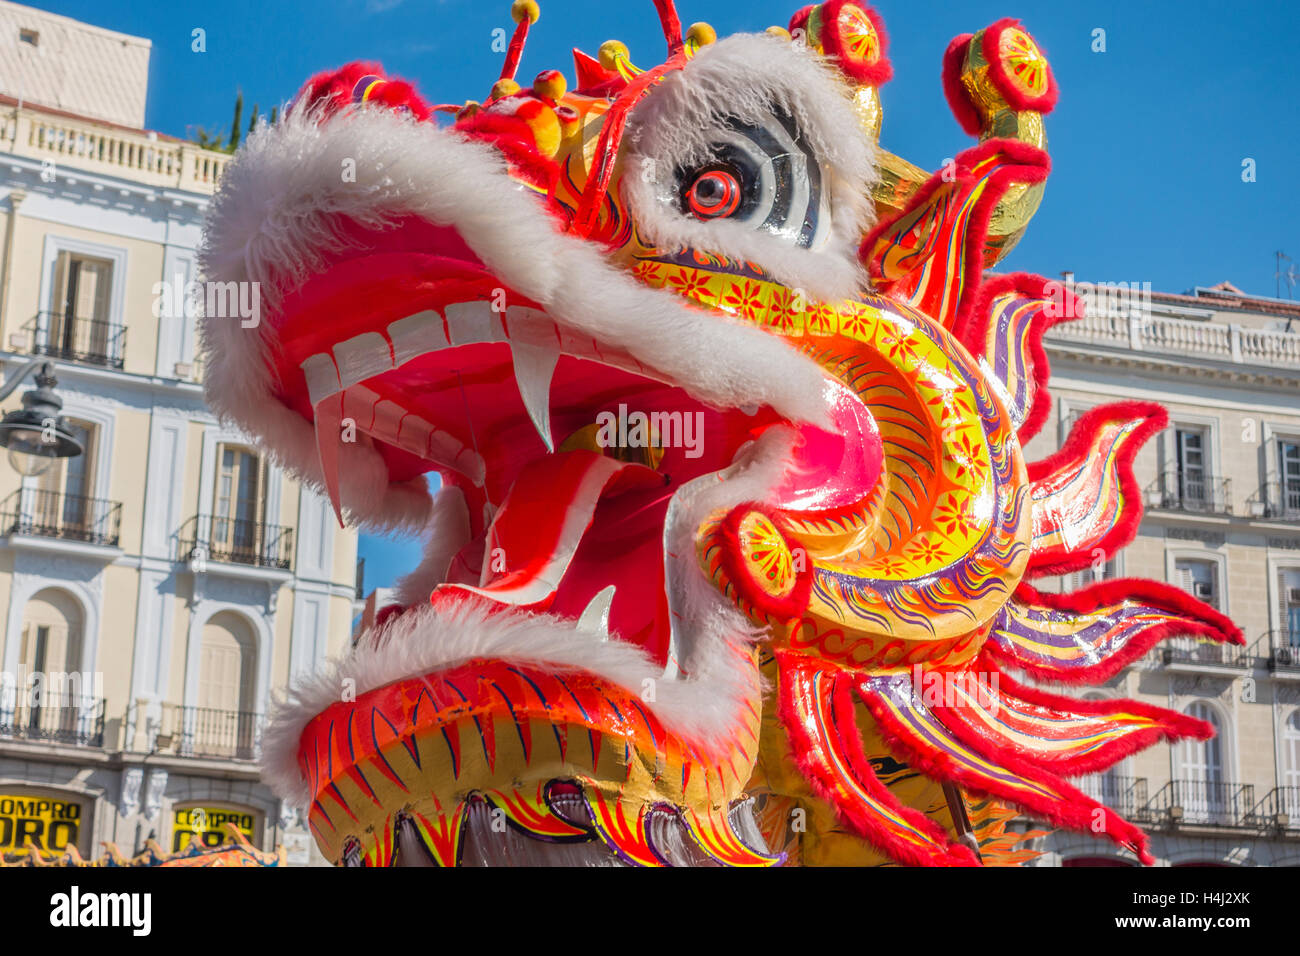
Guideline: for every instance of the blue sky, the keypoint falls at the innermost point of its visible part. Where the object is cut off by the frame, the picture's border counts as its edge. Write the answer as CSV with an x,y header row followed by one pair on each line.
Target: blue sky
x,y
1147,142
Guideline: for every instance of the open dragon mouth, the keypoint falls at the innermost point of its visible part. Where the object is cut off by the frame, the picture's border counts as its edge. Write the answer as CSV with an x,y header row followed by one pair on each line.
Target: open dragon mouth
x,y
569,450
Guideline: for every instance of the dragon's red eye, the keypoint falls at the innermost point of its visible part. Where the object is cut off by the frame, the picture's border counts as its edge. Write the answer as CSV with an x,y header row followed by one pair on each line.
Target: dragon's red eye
x,y
714,194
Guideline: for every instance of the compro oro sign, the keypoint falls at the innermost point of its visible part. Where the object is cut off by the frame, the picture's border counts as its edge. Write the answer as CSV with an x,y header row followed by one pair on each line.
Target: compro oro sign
x,y
209,825
47,823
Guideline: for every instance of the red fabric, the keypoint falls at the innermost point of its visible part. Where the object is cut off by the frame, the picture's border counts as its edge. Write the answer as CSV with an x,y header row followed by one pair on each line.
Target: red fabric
x,y
1015,97
974,335
1076,447
954,58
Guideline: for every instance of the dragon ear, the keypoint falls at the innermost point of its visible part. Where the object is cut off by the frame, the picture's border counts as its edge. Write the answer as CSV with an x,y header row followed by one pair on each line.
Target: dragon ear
x,y
589,72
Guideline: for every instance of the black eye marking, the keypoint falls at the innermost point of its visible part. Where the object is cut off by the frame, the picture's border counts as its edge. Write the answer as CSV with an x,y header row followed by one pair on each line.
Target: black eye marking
x,y
766,176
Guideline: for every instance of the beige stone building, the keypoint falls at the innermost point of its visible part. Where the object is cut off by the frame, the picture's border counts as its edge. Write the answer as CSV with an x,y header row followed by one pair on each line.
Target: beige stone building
x,y
1221,488
170,572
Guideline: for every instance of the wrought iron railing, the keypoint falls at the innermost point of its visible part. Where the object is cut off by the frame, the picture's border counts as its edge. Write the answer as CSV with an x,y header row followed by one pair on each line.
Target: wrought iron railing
x,y
1276,499
206,538
1190,492
78,339
53,514
1125,795
1281,649
1280,810
31,714
200,732
1212,803
1192,651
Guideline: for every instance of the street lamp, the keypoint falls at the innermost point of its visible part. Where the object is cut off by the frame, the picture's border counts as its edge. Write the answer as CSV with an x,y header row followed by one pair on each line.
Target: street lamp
x,y
36,434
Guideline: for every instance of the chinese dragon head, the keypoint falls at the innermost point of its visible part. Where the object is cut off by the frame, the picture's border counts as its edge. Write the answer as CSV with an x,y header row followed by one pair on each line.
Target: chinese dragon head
x,y
730,561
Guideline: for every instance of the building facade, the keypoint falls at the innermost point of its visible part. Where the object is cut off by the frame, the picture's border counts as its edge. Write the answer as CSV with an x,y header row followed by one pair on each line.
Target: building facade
x,y
1221,489
154,589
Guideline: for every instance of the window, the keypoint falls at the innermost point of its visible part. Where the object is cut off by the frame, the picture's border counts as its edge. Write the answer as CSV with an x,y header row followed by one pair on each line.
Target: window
x,y
31,37
238,508
51,647
1192,483
52,634
1202,788
1199,578
223,723
1291,763
1289,604
79,326
65,490
1288,470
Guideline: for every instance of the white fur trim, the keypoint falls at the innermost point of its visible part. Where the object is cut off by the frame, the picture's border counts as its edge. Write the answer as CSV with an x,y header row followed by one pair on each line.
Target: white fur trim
x,y
273,218
743,77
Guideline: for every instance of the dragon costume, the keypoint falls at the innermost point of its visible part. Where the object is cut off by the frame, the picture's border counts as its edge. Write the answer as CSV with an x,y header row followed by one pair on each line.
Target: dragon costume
x,y
730,561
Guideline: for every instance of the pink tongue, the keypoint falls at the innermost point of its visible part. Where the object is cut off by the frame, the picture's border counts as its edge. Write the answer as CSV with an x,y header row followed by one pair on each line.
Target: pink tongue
x,y
833,469
539,526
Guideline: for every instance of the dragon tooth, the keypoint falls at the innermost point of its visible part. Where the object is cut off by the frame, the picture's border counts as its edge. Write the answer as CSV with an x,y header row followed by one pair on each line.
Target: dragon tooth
x,y
472,322
417,334
595,618
534,368
322,377
329,420
361,357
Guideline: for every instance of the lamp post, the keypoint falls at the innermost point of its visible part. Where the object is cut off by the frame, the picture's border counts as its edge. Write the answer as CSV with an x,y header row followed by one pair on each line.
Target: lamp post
x,y
36,434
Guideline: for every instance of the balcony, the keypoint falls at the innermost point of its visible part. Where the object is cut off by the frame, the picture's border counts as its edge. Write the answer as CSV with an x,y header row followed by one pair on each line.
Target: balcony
x,y
1202,803
1125,795
52,718
52,514
77,339
1189,493
1281,648
141,156
1167,336
1280,810
198,732
1185,654
205,538
1276,501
